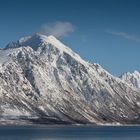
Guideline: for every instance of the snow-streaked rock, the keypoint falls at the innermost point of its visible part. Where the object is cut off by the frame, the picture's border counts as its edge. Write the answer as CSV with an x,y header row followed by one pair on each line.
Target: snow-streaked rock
x,y
132,78
40,76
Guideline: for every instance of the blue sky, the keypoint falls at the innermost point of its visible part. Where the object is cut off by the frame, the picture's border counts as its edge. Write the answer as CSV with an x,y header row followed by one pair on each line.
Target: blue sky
x,y
102,31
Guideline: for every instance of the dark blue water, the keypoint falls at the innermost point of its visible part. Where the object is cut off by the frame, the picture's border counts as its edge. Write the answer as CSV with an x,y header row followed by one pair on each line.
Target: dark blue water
x,y
69,133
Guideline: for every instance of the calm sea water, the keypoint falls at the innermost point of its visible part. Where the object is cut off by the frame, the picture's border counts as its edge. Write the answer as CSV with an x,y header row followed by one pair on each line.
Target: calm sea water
x,y
69,133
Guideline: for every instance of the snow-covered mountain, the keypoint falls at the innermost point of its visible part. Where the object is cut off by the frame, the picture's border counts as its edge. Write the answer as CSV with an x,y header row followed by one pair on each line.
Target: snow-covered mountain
x,y
132,78
41,77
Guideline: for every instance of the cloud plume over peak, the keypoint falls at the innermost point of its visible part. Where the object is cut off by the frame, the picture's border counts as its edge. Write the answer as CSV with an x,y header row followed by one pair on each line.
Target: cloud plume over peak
x,y
57,29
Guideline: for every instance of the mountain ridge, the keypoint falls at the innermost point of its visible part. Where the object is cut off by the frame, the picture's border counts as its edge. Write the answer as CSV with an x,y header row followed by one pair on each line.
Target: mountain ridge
x,y
42,77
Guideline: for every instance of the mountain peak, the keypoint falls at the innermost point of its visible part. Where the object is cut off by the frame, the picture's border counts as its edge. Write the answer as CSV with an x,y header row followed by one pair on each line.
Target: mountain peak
x,y
136,72
37,40
132,78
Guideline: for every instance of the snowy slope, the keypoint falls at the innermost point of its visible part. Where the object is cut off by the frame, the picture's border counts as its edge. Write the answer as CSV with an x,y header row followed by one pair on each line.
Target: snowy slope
x,y
40,76
132,78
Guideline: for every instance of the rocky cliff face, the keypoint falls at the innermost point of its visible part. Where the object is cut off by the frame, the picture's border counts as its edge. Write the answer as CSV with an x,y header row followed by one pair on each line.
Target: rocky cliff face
x,y
41,77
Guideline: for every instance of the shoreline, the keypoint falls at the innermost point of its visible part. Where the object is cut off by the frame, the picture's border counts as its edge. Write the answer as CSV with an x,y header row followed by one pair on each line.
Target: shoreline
x,y
31,123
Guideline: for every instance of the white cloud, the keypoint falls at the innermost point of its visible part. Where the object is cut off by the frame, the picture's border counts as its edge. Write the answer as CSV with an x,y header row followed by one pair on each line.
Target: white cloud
x,y
124,35
57,29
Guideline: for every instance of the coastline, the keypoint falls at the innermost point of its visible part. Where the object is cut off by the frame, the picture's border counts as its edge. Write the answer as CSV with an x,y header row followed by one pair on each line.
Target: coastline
x,y
29,122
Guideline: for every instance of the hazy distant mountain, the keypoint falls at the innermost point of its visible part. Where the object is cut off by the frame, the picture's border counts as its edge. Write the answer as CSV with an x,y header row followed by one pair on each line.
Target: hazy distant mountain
x,y
41,77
